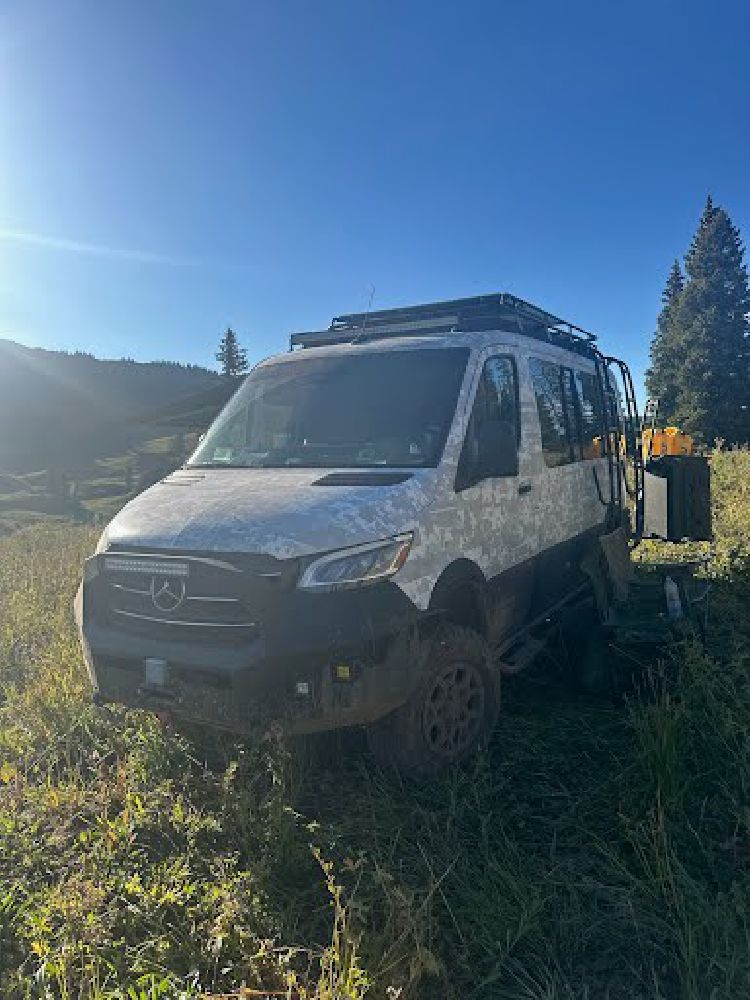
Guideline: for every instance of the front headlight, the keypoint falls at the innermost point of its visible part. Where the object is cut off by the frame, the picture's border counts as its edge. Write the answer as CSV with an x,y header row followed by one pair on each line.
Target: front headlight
x,y
358,566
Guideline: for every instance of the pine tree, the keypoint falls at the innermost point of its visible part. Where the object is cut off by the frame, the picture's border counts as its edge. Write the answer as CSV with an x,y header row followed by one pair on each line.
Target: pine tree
x,y
231,357
711,319
661,377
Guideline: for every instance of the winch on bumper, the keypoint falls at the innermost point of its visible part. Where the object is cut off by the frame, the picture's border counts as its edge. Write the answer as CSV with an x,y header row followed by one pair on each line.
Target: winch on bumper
x,y
230,641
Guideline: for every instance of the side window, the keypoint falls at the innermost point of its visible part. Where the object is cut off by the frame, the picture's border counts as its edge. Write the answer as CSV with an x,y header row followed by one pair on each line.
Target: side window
x,y
555,408
572,414
490,448
592,425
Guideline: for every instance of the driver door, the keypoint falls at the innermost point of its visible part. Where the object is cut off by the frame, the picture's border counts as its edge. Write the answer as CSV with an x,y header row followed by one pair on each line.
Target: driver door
x,y
493,493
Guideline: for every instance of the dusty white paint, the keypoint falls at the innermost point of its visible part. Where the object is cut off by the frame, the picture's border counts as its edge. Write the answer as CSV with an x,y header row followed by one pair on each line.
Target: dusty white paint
x,y
280,512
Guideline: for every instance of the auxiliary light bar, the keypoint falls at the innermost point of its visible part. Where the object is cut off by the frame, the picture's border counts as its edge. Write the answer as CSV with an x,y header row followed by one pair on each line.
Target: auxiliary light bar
x,y
156,567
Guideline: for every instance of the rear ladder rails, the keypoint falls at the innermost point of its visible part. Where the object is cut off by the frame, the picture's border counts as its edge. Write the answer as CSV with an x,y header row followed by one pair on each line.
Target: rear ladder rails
x,y
610,435
622,442
633,444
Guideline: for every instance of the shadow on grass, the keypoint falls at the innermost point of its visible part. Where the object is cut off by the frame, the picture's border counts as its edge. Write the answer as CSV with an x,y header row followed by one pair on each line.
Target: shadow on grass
x,y
596,848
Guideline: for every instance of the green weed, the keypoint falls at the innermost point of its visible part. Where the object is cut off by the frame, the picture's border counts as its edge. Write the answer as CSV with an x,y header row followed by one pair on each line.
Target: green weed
x,y
593,851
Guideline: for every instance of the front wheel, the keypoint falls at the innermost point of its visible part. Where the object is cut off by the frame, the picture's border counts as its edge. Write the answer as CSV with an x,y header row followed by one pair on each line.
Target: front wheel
x,y
451,712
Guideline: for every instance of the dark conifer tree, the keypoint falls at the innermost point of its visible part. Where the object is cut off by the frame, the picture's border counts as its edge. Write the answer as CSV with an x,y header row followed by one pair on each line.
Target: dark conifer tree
x,y
231,357
711,316
661,377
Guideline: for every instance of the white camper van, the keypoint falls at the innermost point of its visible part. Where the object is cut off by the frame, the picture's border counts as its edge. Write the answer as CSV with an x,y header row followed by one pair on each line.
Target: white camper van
x,y
368,531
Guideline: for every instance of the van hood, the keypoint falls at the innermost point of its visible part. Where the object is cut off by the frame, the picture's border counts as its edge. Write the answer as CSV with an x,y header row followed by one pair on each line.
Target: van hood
x,y
284,513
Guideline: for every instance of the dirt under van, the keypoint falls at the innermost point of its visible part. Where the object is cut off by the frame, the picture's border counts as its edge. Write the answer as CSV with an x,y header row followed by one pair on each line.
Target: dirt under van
x,y
371,523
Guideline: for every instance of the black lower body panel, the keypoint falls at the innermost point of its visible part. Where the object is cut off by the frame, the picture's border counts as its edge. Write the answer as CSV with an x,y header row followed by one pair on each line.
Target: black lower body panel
x,y
316,661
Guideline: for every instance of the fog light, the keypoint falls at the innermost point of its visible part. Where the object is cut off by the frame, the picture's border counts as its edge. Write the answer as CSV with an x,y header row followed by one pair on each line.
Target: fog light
x,y
155,671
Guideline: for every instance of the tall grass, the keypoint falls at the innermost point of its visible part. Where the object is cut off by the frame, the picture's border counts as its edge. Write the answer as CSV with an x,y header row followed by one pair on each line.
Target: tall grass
x,y
594,850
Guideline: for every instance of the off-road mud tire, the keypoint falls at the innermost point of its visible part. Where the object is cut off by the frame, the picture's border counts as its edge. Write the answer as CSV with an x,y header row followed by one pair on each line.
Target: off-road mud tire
x,y
435,728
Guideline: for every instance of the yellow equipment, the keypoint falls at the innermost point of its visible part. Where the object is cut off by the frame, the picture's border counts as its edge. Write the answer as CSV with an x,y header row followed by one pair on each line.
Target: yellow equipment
x,y
669,441
666,441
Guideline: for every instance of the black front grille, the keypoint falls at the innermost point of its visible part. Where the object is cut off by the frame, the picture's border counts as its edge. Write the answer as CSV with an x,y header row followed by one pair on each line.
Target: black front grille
x,y
179,597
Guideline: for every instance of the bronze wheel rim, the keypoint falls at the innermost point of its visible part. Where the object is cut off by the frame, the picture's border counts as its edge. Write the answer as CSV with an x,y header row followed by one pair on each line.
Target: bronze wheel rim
x,y
454,710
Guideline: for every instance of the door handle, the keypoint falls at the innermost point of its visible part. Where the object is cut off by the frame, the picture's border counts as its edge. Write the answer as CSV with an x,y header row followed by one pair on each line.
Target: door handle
x,y
524,486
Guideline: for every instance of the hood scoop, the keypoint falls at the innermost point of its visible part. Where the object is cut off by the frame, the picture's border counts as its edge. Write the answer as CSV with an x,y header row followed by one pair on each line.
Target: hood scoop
x,y
368,478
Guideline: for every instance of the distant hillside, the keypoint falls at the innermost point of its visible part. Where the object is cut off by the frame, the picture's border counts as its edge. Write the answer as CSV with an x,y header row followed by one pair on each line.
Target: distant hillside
x,y
194,412
63,411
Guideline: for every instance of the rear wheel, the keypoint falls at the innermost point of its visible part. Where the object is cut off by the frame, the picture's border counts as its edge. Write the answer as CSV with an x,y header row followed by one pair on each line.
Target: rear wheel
x,y
451,712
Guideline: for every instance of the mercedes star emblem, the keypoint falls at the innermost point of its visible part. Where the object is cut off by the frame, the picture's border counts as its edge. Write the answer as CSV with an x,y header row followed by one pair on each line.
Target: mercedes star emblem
x,y
167,594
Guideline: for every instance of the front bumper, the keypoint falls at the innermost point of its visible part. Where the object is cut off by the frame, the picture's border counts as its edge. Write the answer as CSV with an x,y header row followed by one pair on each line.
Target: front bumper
x,y
288,670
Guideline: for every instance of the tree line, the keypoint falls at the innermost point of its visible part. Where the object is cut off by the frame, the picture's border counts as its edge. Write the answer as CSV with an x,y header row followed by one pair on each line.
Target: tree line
x,y
700,352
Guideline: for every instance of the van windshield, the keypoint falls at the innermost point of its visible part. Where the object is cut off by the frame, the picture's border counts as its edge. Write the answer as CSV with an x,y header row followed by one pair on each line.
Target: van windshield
x,y
381,408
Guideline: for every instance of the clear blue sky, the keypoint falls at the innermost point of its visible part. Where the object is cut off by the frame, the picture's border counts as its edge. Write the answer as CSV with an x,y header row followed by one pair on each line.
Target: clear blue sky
x,y
168,168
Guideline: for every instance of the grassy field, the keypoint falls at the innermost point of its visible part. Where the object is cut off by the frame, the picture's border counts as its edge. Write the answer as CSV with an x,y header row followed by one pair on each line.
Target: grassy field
x,y
594,851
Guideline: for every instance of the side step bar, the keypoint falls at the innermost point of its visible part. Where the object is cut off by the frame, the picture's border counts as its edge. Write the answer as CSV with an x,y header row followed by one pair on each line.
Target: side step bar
x,y
519,649
514,659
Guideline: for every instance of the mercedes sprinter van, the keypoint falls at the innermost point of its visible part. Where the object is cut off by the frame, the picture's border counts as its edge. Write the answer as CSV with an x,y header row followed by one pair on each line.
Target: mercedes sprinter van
x,y
367,531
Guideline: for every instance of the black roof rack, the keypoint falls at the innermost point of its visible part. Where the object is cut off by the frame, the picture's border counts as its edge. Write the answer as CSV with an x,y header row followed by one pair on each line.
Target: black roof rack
x,y
499,311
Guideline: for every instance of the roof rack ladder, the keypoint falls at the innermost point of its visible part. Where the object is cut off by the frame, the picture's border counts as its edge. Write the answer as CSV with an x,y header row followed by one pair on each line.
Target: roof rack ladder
x,y
610,434
633,443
